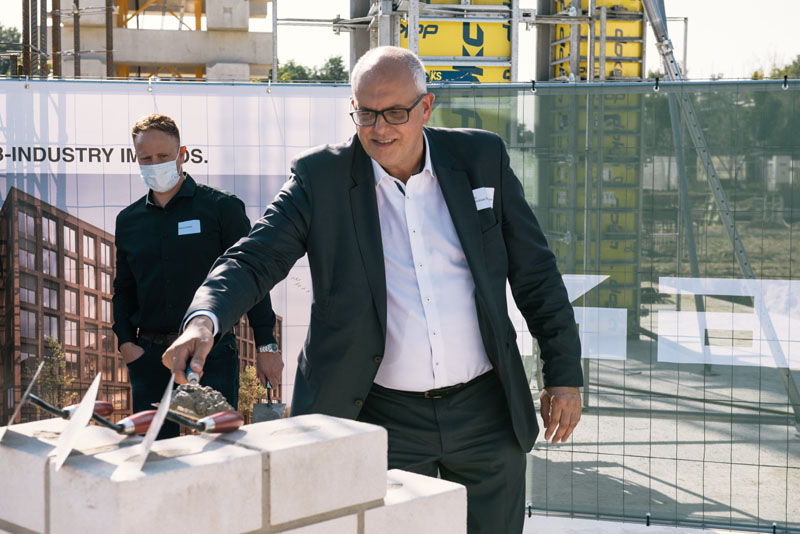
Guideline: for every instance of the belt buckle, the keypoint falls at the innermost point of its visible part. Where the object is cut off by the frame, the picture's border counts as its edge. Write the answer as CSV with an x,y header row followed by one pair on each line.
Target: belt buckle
x,y
430,395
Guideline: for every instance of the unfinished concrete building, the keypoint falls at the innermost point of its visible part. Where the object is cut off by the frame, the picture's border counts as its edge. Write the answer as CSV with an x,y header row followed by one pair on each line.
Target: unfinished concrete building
x,y
165,38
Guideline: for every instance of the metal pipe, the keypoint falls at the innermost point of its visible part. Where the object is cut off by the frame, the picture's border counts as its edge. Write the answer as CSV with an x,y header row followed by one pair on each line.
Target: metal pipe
x,y
574,51
26,38
514,42
385,22
34,38
413,26
603,23
274,40
76,31
685,44
109,38
43,39
590,48
56,18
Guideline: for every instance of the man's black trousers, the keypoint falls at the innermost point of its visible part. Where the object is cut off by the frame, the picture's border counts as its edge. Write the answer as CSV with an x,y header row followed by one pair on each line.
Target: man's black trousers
x,y
465,437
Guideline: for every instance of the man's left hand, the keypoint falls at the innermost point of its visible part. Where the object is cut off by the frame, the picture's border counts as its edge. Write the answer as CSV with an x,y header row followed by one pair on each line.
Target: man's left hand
x,y
561,411
269,368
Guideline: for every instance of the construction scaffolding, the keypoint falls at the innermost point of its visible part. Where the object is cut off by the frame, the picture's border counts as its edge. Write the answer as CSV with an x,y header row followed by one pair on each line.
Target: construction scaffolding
x,y
122,38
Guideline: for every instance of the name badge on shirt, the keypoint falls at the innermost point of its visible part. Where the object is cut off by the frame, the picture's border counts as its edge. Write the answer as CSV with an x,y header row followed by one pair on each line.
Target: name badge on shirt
x,y
484,197
189,227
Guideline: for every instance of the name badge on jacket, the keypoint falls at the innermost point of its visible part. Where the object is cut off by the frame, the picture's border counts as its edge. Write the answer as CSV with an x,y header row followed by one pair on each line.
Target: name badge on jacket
x,y
189,227
484,197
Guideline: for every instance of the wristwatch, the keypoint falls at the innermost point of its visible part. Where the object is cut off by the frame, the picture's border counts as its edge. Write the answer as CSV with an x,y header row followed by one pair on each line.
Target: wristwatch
x,y
272,347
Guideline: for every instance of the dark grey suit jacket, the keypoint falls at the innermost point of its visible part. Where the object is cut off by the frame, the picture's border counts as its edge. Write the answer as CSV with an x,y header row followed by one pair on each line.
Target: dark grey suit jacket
x,y
328,209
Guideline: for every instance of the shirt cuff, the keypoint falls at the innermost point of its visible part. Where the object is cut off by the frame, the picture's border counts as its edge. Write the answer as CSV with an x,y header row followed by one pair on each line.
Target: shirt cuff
x,y
208,314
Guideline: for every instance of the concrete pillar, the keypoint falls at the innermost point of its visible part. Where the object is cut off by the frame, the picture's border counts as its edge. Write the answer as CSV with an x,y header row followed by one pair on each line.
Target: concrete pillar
x,y
359,39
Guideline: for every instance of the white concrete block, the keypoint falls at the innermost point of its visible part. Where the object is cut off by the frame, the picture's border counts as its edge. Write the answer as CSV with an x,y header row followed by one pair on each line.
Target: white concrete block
x,y
342,525
419,504
316,464
24,454
228,71
176,47
228,15
189,484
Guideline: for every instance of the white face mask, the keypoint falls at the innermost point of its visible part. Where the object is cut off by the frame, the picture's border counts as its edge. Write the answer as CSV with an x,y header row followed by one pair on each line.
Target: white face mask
x,y
160,177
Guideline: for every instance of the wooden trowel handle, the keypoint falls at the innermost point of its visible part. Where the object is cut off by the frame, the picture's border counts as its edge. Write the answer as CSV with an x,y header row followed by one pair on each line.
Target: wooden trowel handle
x,y
222,422
137,423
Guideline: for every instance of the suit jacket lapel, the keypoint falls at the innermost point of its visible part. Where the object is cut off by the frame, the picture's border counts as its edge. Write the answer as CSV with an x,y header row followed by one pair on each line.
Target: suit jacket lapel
x,y
364,206
457,191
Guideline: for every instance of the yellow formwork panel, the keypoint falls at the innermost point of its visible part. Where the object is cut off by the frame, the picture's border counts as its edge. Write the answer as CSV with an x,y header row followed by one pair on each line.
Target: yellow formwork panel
x,y
616,222
621,55
448,73
621,101
613,174
464,39
611,250
613,144
473,2
612,198
494,120
619,5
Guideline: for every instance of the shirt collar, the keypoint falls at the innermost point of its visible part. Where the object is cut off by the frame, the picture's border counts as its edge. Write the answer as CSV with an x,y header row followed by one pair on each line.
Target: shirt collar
x,y
188,187
380,172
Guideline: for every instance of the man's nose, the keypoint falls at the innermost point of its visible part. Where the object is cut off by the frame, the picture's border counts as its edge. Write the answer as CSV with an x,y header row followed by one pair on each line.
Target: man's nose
x,y
380,122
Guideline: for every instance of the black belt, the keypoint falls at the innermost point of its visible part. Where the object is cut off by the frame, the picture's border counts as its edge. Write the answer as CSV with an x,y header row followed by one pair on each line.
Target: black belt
x,y
160,339
439,393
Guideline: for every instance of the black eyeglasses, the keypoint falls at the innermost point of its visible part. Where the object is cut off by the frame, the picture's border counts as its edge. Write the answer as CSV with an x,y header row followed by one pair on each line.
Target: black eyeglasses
x,y
368,117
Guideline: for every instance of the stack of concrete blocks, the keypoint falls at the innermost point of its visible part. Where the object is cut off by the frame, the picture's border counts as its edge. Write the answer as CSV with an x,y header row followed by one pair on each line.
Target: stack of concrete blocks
x,y
227,49
304,475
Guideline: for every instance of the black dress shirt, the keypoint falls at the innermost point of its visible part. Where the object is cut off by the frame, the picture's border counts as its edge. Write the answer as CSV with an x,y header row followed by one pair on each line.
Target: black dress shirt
x,y
164,254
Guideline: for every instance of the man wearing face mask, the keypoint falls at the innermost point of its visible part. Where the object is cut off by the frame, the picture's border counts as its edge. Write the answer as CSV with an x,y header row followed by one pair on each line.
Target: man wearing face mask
x,y
166,243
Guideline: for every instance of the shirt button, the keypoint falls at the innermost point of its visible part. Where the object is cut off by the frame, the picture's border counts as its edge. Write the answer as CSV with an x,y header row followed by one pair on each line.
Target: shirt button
x,y
434,332
377,359
428,299
420,266
359,402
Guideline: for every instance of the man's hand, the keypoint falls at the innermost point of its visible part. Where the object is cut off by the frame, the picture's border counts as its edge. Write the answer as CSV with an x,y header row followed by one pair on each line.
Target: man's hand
x,y
269,367
561,411
130,351
195,343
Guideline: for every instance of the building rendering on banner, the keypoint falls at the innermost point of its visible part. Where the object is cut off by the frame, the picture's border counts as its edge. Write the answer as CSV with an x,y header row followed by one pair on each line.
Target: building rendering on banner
x,y
57,281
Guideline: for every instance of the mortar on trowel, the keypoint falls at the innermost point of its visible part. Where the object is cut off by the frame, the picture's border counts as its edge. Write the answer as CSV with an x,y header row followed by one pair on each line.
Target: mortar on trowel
x,y
195,401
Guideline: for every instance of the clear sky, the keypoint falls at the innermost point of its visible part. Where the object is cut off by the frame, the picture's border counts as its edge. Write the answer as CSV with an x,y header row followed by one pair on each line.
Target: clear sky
x,y
728,37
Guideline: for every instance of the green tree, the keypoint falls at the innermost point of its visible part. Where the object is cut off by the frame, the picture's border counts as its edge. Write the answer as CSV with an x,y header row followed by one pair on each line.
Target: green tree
x,y
332,71
792,70
54,385
10,41
292,72
250,392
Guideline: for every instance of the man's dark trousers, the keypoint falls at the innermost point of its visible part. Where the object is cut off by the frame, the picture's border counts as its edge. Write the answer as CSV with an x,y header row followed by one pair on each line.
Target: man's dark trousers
x,y
465,437
149,377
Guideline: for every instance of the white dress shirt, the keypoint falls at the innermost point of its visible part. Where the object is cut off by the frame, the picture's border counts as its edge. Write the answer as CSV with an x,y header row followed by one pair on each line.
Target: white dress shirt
x,y
432,334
